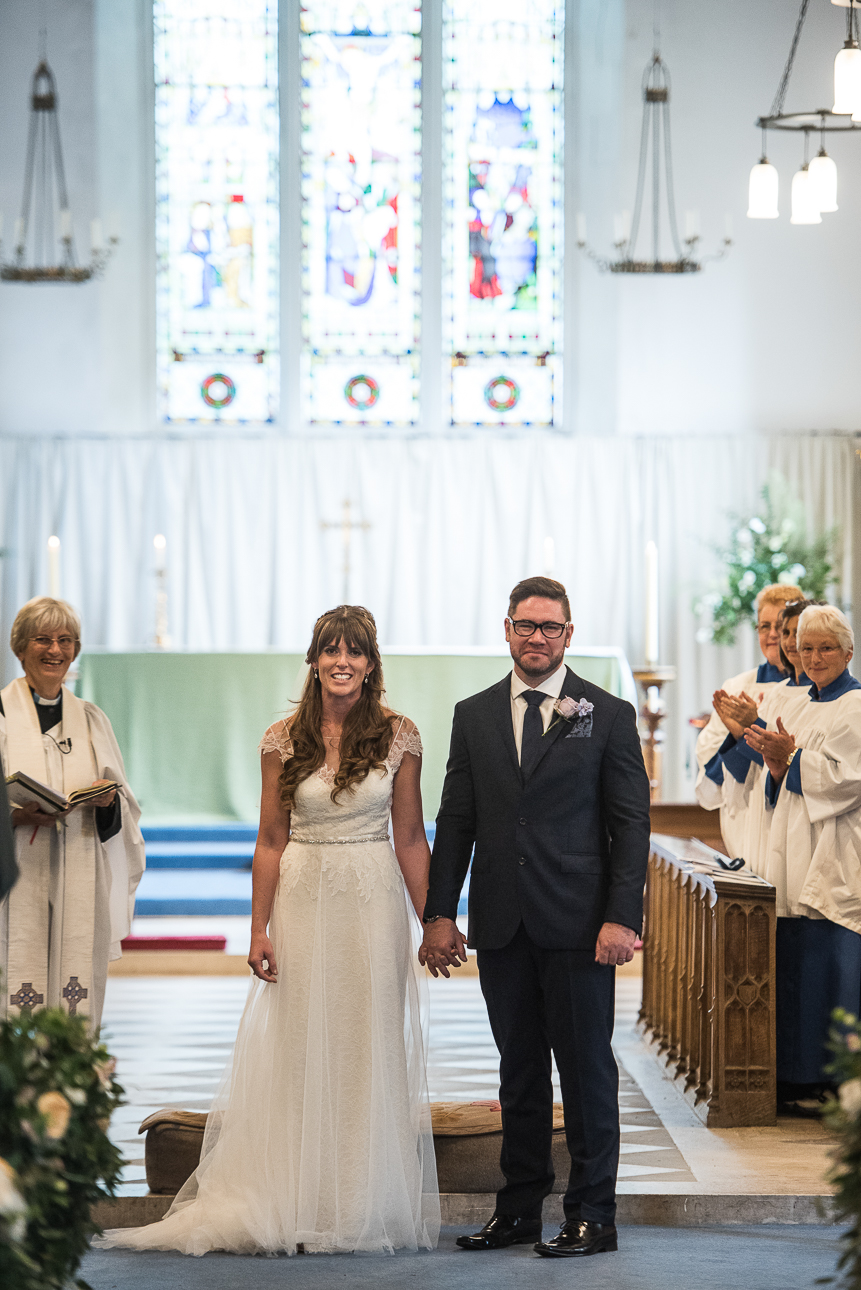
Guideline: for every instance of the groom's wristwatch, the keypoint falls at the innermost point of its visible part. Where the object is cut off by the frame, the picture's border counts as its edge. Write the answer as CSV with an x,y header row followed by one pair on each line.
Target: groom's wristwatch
x,y
433,919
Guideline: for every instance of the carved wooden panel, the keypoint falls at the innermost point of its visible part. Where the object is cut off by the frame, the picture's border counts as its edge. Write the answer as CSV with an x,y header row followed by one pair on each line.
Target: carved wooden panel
x,y
708,982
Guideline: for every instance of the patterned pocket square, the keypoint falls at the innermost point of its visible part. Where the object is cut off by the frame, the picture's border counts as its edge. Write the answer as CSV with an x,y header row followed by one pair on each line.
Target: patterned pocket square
x,y
581,728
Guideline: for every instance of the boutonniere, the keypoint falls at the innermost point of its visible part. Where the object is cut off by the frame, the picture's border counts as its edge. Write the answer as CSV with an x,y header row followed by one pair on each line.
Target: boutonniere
x,y
571,710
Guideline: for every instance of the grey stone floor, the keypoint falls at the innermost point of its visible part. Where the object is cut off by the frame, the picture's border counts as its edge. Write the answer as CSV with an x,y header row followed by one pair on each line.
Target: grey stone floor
x,y
649,1258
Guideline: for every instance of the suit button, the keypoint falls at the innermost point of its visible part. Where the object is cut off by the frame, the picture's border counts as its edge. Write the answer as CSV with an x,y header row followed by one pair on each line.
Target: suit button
x,y
523,859
522,821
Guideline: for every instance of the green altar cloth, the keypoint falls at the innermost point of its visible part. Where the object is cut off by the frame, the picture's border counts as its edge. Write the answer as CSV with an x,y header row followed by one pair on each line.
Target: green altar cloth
x,y
189,724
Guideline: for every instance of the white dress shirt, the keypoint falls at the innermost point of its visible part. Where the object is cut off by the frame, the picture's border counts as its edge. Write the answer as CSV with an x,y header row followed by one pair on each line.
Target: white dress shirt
x,y
552,687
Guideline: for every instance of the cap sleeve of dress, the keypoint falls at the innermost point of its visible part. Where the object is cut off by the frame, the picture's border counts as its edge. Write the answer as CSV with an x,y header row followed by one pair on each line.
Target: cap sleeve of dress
x,y
407,740
277,739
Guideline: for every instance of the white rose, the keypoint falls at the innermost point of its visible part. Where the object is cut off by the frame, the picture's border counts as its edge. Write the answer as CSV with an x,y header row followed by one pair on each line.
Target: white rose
x,y
850,1097
11,1201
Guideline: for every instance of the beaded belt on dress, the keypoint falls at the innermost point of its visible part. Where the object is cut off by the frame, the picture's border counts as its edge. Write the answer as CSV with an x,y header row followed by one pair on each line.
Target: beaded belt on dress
x,y
373,837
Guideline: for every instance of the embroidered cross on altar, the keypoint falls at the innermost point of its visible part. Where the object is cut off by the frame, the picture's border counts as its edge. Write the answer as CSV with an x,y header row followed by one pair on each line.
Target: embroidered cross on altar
x,y
346,525
74,992
26,996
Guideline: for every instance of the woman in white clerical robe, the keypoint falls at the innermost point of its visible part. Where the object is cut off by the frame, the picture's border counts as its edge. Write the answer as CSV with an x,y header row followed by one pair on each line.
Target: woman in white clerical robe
x,y
755,682
742,788
73,902
813,789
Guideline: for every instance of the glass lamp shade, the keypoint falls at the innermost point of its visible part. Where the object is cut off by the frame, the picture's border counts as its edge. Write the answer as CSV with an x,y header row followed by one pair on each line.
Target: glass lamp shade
x,y
847,81
823,175
762,191
805,205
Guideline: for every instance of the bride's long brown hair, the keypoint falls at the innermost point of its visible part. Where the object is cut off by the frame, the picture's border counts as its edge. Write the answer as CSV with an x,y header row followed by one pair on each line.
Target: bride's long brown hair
x,y
367,732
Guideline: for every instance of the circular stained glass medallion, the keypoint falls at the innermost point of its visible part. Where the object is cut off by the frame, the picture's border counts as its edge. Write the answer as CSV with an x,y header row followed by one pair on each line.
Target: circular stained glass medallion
x,y
218,391
361,392
501,394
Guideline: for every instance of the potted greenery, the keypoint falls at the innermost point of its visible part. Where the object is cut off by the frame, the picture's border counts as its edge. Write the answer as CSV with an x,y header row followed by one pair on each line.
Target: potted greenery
x,y
771,546
57,1095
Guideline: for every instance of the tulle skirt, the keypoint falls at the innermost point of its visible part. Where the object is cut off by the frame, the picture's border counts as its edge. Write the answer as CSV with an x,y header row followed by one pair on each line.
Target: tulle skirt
x,y
320,1134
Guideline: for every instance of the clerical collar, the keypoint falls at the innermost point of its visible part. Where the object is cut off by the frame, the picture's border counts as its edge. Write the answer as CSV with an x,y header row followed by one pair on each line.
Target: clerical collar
x,y
805,680
46,703
768,672
844,683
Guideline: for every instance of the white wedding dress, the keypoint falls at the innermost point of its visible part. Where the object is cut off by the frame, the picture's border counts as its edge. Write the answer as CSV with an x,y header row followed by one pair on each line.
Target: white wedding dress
x,y
321,1134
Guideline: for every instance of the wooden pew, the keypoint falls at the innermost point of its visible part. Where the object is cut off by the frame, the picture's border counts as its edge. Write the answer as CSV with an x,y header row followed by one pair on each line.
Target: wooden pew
x,y
708,1008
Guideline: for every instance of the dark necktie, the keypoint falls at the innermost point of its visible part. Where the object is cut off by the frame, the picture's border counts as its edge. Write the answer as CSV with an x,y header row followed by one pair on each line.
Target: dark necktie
x,y
533,731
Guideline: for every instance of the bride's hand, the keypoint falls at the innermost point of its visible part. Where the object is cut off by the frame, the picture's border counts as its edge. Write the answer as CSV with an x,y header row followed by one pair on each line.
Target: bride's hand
x,y
261,951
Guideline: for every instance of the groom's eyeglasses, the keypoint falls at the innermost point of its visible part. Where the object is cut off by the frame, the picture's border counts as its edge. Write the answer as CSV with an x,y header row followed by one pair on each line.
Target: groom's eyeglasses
x,y
550,631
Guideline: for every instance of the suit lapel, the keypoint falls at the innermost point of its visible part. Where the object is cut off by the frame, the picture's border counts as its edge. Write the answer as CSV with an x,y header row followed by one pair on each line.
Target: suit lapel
x,y
500,700
572,687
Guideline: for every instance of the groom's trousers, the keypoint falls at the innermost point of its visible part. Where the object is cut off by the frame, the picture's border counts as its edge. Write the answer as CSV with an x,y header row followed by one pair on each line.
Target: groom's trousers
x,y
561,1001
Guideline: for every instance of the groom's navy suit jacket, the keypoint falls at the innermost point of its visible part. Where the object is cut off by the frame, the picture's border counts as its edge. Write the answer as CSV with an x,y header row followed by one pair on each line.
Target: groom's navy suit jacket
x,y
561,850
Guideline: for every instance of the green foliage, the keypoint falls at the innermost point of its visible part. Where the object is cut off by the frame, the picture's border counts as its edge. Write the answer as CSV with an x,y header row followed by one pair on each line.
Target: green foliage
x,y
843,1117
772,546
57,1094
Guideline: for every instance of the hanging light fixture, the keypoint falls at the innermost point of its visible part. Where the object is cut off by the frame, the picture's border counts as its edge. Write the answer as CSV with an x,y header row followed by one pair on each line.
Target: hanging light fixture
x,y
823,174
655,131
847,70
814,186
46,219
805,209
762,189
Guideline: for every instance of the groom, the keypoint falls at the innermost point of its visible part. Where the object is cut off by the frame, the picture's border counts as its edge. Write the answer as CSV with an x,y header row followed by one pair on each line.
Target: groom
x,y
546,779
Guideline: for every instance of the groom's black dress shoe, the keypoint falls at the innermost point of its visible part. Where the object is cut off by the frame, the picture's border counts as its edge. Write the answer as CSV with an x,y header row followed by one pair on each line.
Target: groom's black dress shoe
x,y
578,1238
501,1232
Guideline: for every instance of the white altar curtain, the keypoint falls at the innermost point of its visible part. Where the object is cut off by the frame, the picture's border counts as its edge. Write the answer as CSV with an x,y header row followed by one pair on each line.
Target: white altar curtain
x,y
454,523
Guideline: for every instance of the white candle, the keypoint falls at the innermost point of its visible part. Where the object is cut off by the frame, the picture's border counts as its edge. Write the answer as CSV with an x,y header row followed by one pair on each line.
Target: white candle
x,y
160,544
727,227
65,226
651,604
54,567
581,229
1,226
622,227
549,557
692,225
96,239
19,232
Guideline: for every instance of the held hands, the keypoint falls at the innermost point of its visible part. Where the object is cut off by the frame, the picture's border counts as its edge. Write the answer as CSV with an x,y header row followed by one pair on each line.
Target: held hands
x,y
616,944
736,711
774,745
261,951
443,947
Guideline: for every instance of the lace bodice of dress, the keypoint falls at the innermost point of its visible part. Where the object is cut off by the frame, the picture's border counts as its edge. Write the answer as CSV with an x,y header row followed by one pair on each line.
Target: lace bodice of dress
x,y
360,813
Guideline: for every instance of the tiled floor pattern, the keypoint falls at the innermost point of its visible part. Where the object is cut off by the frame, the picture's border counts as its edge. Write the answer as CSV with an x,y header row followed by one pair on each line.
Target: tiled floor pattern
x,y
172,1037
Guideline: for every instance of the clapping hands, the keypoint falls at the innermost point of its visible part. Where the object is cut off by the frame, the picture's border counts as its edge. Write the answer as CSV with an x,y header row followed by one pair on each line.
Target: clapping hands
x,y
776,746
736,711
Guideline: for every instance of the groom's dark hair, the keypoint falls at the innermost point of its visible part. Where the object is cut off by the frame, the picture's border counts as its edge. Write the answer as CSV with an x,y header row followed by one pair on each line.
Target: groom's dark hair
x,y
545,587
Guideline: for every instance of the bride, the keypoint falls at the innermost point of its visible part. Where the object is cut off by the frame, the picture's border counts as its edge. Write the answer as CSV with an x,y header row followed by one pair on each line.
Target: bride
x,y
320,1136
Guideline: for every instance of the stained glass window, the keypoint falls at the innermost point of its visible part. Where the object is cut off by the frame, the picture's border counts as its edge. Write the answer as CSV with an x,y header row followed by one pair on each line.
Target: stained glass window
x,y
217,133
361,140
502,258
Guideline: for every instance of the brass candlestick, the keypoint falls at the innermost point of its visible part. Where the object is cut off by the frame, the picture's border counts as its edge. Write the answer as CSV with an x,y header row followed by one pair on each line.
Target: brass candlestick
x,y
651,678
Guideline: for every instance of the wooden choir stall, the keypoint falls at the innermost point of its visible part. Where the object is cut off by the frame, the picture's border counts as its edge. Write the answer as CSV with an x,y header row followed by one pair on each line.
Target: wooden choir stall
x,y
708,1006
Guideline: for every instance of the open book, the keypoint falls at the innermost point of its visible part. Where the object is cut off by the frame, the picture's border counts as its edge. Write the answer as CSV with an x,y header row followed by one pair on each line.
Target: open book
x,y
24,791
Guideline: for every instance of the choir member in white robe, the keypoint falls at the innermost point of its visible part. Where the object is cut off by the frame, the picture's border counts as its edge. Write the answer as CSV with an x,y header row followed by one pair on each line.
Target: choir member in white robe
x,y
743,772
73,902
754,683
813,787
